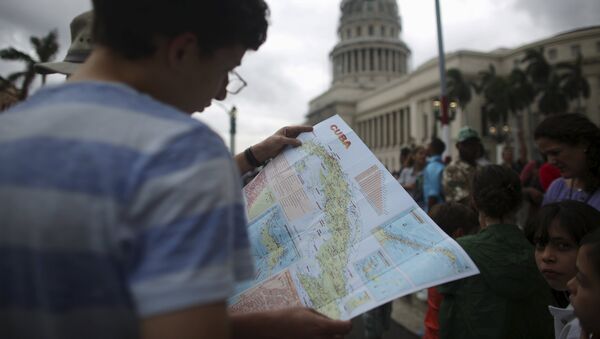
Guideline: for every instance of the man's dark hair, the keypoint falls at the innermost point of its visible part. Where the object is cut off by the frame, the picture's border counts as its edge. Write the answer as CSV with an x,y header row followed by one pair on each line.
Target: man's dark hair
x,y
496,191
573,129
593,241
131,27
437,146
574,217
452,216
404,152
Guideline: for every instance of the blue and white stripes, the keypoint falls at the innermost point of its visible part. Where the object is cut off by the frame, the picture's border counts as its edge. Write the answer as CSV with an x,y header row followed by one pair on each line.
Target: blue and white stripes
x,y
110,200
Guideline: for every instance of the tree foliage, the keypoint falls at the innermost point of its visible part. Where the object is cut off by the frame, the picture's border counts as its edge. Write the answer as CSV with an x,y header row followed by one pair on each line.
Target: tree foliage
x,y
45,49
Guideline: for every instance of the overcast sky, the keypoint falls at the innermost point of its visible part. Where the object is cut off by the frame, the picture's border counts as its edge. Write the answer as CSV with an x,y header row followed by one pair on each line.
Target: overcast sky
x,y
293,66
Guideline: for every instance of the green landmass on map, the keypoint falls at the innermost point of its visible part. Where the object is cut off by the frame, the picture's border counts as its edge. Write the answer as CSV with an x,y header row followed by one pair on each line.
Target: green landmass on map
x,y
332,256
275,250
383,236
358,301
263,202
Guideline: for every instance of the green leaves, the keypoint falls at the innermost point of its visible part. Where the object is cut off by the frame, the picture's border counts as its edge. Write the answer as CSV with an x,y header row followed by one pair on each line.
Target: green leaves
x,y
458,88
555,85
45,47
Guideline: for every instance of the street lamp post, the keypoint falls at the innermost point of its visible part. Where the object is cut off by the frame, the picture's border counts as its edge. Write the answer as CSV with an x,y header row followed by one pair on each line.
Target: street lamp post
x,y
450,114
232,113
232,125
444,118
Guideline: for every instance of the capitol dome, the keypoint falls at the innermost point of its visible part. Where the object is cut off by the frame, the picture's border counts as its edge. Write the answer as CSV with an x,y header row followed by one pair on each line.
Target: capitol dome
x,y
365,8
370,51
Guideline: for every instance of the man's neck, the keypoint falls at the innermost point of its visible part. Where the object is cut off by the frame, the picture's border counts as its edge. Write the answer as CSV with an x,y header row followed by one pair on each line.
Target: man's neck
x,y
104,65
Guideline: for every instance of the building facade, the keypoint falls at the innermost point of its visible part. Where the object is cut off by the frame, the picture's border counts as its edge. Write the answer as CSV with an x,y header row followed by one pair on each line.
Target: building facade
x,y
391,108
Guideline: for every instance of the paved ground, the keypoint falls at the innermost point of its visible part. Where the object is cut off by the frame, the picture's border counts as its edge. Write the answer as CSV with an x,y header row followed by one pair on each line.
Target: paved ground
x,y
395,332
407,320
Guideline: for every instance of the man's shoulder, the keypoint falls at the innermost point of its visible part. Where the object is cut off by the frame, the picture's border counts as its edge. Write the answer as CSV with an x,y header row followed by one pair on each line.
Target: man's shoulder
x,y
434,165
110,114
458,166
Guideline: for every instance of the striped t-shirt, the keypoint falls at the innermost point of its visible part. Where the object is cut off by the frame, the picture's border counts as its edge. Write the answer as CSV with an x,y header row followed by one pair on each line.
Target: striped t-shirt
x,y
113,207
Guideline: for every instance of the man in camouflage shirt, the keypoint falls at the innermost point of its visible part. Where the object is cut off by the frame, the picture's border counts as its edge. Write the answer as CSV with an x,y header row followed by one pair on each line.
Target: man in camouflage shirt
x,y
457,176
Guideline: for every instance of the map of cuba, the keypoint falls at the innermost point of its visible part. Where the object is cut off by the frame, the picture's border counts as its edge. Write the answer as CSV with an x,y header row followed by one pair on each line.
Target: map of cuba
x,y
332,230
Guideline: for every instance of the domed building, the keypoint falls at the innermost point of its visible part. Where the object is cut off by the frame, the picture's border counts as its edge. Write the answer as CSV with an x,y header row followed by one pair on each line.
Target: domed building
x,y
369,54
370,51
391,106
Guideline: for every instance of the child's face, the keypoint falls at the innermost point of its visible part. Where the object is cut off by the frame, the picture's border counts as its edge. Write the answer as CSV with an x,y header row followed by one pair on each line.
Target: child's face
x,y
556,259
585,293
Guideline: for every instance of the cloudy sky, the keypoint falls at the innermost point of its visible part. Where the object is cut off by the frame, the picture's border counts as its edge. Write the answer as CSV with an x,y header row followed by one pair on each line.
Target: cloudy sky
x,y
293,66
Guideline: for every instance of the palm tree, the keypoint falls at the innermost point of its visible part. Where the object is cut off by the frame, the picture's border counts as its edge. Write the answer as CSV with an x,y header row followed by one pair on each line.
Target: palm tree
x,y
538,69
573,83
522,95
495,91
45,49
553,100
459,89
522,92
546,82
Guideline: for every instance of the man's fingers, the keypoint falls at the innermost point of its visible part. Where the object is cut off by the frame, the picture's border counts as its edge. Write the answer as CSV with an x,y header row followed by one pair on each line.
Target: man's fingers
x,y
294,131
332,327
335,327
291,141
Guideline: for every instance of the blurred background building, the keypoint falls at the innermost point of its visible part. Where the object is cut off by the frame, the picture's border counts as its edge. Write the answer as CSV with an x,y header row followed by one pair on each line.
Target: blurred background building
x,y
509,90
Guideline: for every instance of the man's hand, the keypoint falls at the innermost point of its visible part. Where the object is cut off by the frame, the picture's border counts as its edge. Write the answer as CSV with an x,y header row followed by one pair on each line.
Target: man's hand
x,y
290,323
305,323
273,145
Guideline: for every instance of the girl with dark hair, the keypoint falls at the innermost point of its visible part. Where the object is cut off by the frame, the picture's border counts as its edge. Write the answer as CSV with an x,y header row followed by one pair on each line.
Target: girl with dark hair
x,y
509,298
572,143
585,287
557,234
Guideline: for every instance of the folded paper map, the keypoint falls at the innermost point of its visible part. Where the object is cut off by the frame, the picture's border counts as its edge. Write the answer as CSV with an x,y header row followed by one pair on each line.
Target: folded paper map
x,y
331,229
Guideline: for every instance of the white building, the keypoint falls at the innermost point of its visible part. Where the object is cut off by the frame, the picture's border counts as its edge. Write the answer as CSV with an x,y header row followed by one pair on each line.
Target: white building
x,y
390,108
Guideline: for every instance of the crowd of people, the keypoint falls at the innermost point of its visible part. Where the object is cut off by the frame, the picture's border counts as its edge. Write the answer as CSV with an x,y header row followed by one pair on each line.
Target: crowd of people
x,y
121,217
522,223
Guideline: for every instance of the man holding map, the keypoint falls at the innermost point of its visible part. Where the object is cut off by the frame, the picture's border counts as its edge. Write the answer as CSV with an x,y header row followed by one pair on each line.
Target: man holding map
x,y
108,218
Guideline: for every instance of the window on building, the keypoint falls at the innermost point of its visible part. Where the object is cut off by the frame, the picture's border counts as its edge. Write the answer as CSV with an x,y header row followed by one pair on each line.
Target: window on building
x,y
575,50
349,33
388,135
552,53
358,31
371,30
395,128
382,31
407,126
363,57
425,126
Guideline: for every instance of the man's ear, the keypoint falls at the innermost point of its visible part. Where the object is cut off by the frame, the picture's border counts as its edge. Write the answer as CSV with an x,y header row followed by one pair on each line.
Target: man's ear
x,y
180,48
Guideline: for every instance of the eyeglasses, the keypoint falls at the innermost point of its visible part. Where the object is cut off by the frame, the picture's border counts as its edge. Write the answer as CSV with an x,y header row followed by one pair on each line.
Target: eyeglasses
x,y
236,83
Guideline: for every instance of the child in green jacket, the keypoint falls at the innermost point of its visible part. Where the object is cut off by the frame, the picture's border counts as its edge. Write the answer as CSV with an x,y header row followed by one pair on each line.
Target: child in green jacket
x,y
509,299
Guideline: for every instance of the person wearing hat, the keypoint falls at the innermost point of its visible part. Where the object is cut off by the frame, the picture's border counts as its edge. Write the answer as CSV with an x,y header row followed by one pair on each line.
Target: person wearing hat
x,y
81,47
79,51
457,175
121,216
